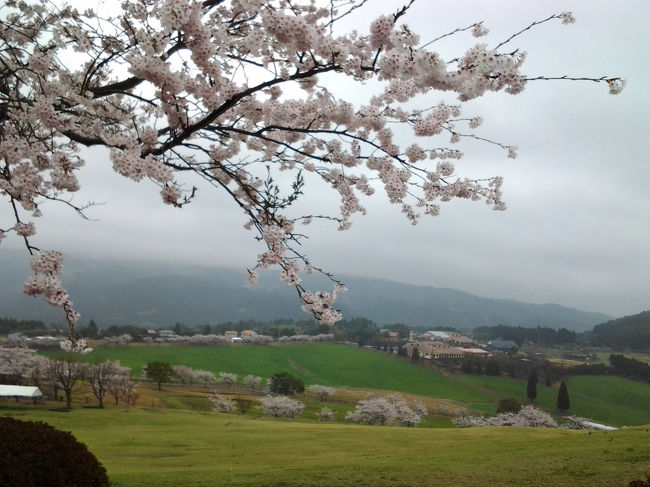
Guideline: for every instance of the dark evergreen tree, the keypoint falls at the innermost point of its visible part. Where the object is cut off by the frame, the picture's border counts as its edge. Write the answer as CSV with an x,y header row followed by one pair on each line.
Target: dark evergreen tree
x,y
563,402
531,389
93,331
415,354
492,367
478,369
466,366
285,383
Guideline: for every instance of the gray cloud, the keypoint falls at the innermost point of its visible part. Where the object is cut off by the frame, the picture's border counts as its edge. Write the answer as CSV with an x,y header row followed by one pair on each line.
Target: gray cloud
x,y
577,227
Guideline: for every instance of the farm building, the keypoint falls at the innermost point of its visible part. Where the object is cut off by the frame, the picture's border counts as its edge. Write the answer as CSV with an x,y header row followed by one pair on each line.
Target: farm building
x,y
21,392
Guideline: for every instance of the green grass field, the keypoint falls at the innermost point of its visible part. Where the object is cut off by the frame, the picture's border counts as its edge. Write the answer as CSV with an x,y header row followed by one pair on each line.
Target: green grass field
x,y
326,364
144,447
607,399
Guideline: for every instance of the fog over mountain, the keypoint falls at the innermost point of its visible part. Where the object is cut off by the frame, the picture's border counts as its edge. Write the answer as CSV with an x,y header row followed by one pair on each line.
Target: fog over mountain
x,y
160,294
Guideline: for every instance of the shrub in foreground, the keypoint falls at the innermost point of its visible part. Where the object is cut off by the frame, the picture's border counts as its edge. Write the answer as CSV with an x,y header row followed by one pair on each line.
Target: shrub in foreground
x,y
34,454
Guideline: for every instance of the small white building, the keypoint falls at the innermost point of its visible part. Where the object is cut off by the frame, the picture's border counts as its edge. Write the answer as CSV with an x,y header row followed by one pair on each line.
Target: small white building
x,y
21,392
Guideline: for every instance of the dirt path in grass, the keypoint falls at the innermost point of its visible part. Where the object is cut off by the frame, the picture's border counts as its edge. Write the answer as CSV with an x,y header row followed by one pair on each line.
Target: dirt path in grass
x,y
301,369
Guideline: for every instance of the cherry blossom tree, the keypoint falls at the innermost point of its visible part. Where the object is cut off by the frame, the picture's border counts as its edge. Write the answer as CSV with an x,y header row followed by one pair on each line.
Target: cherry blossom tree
x,y
116,386
281,406
235,93
227,379
128,389
65,374
222,404
252,382
322,392
184,373
375,410
21,365
100,376
206,377
385,411
527,416
326,414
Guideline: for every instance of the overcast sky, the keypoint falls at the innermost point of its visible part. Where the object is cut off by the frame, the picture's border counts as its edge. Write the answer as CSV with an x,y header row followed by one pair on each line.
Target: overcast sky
x,y
577,228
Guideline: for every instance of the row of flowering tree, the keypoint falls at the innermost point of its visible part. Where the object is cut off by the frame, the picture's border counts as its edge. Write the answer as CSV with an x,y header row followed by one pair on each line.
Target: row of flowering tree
x,y
527,416
238,94
23,366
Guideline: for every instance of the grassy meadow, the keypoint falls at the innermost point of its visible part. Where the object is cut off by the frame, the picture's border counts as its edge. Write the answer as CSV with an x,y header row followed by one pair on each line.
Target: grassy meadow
x,y
143,447
172,438
323,363
607,399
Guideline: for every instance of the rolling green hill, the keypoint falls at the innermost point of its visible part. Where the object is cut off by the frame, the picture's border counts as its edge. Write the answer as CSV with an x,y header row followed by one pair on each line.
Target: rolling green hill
x,y
607,399
326,364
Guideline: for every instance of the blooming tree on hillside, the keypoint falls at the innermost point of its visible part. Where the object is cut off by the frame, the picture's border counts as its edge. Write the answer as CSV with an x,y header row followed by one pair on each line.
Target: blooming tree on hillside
x,y
322,392
227,379
235,93
527,416
281,406
252,382
385,411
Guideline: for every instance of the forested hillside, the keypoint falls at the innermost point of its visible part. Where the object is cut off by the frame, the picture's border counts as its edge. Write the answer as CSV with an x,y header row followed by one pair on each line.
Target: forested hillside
x,y
629,331
159,294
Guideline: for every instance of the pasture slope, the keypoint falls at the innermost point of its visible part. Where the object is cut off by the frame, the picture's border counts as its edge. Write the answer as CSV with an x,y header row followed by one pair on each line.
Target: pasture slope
x,y
607,399
143,447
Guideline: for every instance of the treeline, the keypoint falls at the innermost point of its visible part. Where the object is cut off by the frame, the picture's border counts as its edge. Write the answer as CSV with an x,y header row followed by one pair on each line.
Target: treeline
x,y
629,367
26,327
358,330
619,365
519,335
629,331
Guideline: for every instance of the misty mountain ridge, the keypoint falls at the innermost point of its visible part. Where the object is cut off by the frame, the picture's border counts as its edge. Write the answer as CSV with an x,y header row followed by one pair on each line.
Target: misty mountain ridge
x,y
159,294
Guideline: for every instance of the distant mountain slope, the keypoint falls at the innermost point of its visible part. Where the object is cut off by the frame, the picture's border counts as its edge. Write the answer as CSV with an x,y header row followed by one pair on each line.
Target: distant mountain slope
x,y
161,294
630,331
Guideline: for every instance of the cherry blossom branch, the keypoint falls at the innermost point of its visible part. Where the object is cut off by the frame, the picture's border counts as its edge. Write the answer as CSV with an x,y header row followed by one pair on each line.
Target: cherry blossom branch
x,y
566,17
455,31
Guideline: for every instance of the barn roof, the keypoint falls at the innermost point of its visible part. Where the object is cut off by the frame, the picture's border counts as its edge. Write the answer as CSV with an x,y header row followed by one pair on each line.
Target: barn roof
x,y
19,391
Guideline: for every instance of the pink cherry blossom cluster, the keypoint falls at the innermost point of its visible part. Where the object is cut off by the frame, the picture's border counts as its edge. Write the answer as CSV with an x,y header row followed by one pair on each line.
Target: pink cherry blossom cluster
x,y
528,416
388,410
223,89
47,267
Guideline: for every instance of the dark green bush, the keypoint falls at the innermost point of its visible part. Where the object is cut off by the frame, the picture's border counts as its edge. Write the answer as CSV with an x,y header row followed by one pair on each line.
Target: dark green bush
x,y
34,454
285,383
641,482
508,405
